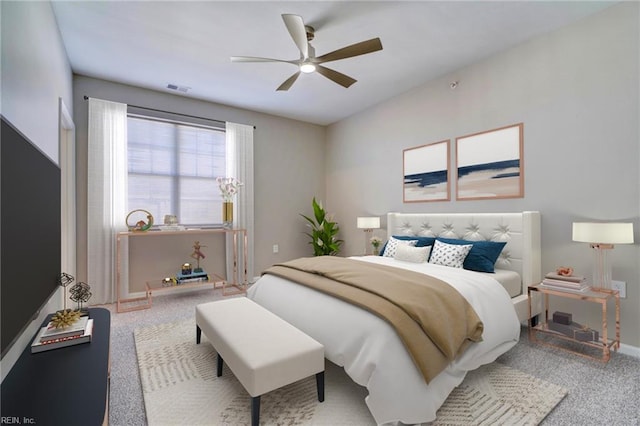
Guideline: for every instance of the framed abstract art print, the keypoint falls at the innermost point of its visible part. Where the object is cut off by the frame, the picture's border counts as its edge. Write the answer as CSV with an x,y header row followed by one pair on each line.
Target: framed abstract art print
x,y
490,164
426,173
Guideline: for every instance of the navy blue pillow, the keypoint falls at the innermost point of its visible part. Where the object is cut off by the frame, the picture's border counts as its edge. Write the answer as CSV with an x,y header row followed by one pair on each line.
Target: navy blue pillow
x,y
422,241
483,254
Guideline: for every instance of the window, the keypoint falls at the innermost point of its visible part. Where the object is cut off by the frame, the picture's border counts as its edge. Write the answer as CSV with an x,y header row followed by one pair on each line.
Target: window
x,y
173,168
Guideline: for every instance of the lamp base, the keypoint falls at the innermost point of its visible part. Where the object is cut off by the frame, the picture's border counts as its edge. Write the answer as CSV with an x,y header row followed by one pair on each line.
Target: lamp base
x,y
602,270
367,237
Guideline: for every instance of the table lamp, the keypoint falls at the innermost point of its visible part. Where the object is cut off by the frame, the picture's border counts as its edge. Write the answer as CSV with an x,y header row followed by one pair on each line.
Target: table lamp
x,y
368,224
602,236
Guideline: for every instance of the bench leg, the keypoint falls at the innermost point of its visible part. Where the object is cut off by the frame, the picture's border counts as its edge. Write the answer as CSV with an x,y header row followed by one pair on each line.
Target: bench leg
x,y
255,411
320,385
198,334
220,363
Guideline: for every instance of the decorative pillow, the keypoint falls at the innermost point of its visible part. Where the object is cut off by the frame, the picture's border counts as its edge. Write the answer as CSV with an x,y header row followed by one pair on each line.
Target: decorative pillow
x,y
449,254
391,246
422,241
483,254
408,253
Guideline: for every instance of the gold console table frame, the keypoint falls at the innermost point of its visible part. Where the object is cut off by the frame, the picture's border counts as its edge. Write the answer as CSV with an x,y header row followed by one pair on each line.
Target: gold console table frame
x,y
228,288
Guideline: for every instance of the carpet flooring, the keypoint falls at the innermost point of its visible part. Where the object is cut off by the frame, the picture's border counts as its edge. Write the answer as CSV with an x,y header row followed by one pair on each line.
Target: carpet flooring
x,y
597,393
180,387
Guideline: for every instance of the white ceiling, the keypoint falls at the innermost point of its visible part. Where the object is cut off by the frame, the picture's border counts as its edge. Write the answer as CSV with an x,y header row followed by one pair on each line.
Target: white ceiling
x,y
153,43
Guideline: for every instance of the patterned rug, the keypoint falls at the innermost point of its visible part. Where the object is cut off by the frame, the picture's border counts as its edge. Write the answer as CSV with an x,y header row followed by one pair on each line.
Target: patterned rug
x,y
180,387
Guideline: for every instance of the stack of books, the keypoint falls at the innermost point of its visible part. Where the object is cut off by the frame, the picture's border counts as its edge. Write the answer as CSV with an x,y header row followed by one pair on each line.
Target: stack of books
x,y
50,337
564,282
192,277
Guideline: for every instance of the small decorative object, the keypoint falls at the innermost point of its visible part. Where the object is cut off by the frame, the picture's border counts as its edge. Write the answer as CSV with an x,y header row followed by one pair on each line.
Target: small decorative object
x,y
169,282
81,293
565,271
227,214
229,187
64,280
187,273
65,318
586,334
562,317
375,242
323,232
170,219
138,224
197,255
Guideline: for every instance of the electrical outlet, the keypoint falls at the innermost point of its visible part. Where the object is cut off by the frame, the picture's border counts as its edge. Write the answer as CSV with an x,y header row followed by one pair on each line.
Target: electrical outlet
x,y
276,249
621,286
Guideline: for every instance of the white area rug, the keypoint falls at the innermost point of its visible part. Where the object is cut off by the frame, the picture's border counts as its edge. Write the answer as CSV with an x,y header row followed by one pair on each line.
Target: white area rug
x,y
180,387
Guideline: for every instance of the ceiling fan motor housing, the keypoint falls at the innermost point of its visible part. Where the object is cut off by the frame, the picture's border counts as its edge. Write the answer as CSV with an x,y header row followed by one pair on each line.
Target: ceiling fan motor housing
x,y
310,32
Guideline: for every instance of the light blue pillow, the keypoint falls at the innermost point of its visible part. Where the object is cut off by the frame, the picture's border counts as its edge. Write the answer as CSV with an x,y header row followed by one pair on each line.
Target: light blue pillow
x,y
483,254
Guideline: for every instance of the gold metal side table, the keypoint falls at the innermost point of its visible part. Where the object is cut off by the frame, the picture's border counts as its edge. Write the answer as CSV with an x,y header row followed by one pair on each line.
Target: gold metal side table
x,y
601,296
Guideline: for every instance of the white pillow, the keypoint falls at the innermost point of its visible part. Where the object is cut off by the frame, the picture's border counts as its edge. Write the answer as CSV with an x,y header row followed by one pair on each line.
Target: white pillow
x,y
412,254
393,243
449,254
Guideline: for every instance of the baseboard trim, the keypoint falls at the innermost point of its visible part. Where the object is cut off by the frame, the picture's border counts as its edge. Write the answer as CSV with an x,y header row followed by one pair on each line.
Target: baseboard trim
x,y
633,351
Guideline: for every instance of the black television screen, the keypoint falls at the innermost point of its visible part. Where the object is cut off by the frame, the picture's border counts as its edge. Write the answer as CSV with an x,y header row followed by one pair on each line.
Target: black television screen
x,y
29,232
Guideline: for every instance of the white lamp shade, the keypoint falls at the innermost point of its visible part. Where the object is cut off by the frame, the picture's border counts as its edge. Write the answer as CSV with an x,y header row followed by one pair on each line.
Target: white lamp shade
x,y
368,223
603,233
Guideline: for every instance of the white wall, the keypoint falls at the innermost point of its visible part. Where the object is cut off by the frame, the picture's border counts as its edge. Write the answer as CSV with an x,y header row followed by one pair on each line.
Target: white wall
x,y
575,89
35,74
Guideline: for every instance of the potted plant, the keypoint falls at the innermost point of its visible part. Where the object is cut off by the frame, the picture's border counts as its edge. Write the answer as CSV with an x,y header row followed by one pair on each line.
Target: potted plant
x,y
375,242
323,232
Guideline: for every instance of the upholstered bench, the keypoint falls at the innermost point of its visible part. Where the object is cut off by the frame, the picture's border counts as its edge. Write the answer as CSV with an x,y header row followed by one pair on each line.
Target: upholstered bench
x,y
262,350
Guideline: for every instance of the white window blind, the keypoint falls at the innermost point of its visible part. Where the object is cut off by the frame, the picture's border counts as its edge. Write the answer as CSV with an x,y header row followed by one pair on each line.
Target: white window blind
x,y
172,170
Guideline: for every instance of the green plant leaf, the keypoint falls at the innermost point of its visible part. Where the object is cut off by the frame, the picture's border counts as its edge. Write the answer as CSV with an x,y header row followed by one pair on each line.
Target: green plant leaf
x,y
323,231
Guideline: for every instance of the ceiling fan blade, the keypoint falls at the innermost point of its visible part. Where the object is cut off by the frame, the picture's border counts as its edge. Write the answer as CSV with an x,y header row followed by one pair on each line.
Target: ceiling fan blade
x,y
295,26
289,82
357,49
335,76
255,59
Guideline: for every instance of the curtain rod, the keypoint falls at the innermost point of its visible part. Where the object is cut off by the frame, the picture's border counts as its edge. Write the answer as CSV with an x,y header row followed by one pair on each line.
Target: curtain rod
x,y
175,113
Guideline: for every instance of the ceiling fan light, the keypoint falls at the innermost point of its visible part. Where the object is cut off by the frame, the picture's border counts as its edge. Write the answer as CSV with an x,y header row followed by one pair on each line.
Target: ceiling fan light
x,y
307,68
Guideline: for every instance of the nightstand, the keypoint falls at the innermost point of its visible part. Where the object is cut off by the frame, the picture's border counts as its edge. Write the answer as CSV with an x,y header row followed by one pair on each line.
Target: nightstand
x,y
601,296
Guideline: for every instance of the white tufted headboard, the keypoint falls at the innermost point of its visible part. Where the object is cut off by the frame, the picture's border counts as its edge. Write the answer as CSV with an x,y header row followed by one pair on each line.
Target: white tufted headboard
x,y
521,232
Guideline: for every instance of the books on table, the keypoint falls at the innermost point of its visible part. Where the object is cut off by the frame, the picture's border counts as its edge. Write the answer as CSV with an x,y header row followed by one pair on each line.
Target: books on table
x,y
40,345
562,282
75,329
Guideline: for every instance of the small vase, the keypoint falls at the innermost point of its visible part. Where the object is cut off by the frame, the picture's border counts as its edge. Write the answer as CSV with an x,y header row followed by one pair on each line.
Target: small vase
x,y
227,214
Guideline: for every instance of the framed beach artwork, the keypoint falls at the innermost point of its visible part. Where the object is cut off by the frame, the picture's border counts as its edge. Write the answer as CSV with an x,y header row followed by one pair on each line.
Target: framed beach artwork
x,y
490,164
426,173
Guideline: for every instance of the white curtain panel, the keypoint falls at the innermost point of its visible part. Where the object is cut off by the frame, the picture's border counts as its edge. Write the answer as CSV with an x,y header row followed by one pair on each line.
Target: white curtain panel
x,y
106,195
239,141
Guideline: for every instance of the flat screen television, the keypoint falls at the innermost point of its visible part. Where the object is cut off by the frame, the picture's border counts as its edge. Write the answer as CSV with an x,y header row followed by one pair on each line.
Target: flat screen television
x,y
29,232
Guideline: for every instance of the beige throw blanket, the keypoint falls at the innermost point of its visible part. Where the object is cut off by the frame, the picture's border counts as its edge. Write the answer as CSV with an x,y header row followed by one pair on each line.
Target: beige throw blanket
x,y
434,321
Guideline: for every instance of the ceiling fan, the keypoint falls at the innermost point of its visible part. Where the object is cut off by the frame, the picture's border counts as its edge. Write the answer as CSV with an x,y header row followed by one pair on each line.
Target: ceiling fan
x,y
302,35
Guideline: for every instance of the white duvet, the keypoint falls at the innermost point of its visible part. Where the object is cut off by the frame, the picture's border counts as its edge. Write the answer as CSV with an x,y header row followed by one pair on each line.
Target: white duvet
x,y
371,352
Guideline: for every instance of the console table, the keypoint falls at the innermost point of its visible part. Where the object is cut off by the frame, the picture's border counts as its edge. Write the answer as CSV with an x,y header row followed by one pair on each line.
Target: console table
x,y
65,386
239,282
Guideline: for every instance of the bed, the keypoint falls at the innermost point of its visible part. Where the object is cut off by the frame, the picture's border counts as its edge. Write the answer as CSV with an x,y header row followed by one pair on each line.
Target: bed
x,y
369,348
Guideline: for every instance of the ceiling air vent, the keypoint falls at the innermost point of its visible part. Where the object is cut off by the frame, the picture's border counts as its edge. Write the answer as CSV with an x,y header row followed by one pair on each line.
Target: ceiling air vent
x,y
183,89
